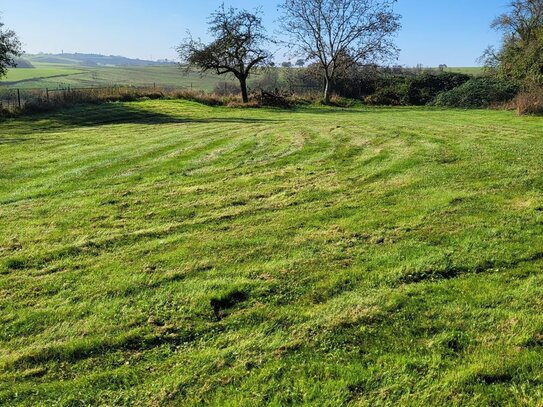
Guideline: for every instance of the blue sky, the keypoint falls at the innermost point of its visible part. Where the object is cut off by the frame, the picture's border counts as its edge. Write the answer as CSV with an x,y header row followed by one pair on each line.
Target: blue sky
x,y
453,32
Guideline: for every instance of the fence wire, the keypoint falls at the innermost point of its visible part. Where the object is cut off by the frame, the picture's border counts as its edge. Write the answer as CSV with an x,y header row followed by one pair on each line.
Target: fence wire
x,y
16,98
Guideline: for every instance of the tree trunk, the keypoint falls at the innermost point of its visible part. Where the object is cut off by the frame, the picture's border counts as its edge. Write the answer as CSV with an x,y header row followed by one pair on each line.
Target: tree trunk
x,y
244,93
327,90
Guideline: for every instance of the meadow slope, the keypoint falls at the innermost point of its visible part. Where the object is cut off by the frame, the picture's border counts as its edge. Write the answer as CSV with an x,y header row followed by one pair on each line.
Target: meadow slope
x,y
52,76
49,75
168,253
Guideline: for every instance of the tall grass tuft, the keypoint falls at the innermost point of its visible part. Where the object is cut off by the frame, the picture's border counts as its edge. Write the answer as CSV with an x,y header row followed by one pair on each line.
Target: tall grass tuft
x,y
63,98
529,102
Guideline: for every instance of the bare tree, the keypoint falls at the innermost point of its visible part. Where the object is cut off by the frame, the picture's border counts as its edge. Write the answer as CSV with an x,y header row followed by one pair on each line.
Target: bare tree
x,y
327,30
237,48
520,56
10,47
523,21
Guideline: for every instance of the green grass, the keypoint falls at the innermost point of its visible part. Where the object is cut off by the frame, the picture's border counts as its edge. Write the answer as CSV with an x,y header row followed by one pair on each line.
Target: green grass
x,y
41,72
166,253
47,75
471,70
53,76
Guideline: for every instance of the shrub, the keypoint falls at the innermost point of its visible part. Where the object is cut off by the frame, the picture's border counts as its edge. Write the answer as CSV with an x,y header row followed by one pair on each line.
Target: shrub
x,y
268,80
388,96
226,89
477,93
340,101
415,90
303,100
4,113
529,102
200,97
272,99
62,98
422,89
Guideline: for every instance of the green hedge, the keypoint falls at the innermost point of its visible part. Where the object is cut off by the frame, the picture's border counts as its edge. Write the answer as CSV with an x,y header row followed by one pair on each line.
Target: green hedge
x,y
477,93
414,90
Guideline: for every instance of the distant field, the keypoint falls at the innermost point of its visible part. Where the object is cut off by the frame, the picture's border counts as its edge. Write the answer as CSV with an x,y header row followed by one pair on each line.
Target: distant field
x,y
39,73
477,70
47,75
164,253
54,76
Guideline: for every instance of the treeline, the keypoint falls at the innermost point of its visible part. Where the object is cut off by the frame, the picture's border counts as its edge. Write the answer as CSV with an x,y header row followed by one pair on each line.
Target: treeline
x,y
519,58
397,86
345,41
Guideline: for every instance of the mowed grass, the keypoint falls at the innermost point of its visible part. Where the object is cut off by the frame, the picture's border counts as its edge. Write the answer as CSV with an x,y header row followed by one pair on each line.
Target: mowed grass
x,y
167,253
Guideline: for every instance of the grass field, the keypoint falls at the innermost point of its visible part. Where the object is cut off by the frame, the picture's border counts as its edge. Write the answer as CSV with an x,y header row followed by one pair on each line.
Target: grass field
x,y
42,72
52,76
167,253
47,75
470,70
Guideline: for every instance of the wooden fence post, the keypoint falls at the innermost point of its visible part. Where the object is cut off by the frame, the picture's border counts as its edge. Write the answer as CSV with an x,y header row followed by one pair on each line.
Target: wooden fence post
x,y
19,97
47,93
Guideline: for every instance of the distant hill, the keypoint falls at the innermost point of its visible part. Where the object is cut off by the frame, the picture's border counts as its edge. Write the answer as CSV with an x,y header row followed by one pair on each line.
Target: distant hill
x,y
23,63
93,60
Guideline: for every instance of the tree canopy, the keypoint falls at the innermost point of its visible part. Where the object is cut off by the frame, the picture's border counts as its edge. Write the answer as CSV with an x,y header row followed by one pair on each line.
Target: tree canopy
x,y
238,46
10,47
520,56
338,32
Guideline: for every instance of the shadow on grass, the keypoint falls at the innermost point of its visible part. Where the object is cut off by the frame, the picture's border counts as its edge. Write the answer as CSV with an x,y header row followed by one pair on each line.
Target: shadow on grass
x,y
13,140
105,114
17,130
371,109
